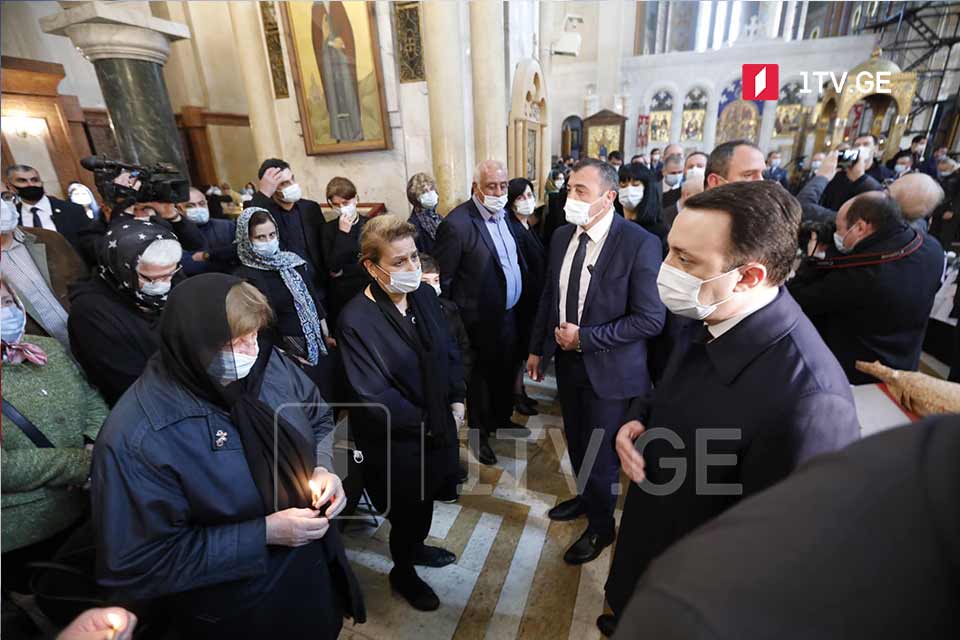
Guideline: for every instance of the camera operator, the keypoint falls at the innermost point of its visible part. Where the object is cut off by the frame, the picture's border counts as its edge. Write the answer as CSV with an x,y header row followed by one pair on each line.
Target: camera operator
x,y
162,214
871,295
852,180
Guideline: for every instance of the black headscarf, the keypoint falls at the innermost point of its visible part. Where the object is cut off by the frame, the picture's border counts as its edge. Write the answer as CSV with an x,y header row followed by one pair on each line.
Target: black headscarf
x,y
124,243
193,330
420,336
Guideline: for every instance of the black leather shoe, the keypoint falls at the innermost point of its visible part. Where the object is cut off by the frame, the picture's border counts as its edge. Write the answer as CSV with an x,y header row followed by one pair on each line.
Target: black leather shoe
x,y
587,548
484,453
523,407
428,556
528,400
607,623
414,590
567,510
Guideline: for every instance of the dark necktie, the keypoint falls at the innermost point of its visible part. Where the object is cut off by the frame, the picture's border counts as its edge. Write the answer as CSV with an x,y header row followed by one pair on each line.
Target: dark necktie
x,y
36,217
573,284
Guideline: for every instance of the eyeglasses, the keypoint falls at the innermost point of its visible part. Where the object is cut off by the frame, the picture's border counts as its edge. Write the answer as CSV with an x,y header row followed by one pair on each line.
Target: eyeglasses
x,y
163,278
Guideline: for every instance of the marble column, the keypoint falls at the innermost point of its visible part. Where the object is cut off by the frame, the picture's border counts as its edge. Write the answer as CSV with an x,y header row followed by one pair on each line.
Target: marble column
x,y
257,80
489,81
802,24
546,35
789,20
767,123
128,47
445,89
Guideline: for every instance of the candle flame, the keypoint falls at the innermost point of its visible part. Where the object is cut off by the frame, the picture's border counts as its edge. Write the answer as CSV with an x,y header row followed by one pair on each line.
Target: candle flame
x,y
114,620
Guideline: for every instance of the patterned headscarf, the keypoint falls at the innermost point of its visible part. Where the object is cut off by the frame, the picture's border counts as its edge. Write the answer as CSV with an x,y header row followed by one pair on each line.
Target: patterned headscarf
x,y
286,262
428,218
126,240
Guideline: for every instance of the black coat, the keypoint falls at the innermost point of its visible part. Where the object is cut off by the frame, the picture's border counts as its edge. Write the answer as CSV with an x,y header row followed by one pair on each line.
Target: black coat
x,y
345,276
860,543
535,256
383,371
877,311
110,337
271,284
69,218
219,237
841,189
92,237
772,378
455,324
471,275
306,218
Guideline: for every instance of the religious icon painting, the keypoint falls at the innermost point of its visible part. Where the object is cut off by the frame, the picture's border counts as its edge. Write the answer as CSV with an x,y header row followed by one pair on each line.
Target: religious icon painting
x,y
335,61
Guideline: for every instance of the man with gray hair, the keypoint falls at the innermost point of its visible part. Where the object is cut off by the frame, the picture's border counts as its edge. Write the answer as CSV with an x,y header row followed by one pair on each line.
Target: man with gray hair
x,y
481,270
39,210
918,196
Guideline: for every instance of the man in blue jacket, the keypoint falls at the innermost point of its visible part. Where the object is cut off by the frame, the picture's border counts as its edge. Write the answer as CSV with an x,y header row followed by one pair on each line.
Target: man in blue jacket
x,y
220,253
749,392
598,309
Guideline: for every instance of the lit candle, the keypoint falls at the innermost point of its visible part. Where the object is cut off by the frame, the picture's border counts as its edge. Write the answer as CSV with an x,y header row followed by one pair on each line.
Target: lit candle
x,y
315,490
115,622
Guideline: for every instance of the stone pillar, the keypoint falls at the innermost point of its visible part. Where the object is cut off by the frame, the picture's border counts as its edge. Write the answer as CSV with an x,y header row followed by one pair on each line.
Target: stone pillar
x,y
489,83
445,84
789,20
546,35
710,119
802,24
768,121
128,47
257,80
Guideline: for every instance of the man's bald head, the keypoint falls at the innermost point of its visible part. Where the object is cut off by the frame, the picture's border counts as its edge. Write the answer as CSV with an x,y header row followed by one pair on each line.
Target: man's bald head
x,y
917,194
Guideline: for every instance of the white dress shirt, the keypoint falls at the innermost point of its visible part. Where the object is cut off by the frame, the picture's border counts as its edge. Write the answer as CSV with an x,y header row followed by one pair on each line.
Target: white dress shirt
x,y
598,235
44,211
765,297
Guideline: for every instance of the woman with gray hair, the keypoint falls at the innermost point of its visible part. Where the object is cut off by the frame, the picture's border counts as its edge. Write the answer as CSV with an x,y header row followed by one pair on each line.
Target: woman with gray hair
x,y
422,194
115,314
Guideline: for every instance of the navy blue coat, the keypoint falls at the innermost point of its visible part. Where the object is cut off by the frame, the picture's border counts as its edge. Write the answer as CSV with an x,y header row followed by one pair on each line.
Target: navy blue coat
x,y
219,236
621,312
770,376
173,511
877,311
471,275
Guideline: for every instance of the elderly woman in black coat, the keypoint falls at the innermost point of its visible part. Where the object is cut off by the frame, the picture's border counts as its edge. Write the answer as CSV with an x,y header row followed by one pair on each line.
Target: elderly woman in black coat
x,y
211,482
404,365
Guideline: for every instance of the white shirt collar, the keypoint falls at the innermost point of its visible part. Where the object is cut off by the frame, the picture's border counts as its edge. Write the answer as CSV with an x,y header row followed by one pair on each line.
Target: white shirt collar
x,y
764,297
598,231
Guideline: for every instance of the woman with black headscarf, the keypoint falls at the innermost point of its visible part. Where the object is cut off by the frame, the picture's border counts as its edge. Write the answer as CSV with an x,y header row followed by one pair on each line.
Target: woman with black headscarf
x,y
637,201
211,486
287,281
403,363
114,315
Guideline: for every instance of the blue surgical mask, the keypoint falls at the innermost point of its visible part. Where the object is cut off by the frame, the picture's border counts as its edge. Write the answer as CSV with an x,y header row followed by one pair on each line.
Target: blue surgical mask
x,y
266,249
12,323
198,215
838,242
672,179
228,365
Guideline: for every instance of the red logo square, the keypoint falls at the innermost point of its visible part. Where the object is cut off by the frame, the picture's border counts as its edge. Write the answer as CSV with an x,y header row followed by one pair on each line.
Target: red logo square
x,y
761,81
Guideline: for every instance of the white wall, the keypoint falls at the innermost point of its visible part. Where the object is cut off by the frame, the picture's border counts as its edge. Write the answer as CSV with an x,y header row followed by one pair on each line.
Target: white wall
x,y
680,72
21,37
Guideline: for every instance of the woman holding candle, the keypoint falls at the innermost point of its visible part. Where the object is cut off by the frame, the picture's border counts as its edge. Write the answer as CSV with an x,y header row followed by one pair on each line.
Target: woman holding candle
x,y
201,479
403,363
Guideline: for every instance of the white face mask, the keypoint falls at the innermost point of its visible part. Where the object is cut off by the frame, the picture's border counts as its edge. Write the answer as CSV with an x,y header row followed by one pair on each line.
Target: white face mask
x,y
12,323
81,197
402,281
578,212
493,204
694,172
680,292
775,163
291,193
815,165
429,199
631,196
900,169
160,288
672,179
348,212
866,153
8,216
559,182
198,215
838,241
266,249
524,207
228,365
436,287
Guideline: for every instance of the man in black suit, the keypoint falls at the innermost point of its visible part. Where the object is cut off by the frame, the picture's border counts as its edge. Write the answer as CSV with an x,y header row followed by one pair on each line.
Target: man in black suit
x,y
41,211
775,172
598,309
749,376
299,221
481,270
872,294
858,543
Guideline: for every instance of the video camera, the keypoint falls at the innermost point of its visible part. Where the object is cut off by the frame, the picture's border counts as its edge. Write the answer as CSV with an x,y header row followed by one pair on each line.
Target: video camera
x,y
159,183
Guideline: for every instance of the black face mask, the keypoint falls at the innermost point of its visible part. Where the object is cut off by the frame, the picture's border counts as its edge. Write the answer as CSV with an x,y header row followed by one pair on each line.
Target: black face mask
x,y
30,194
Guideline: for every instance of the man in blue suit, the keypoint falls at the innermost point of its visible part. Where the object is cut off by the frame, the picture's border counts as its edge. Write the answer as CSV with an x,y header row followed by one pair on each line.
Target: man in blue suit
x,y
481,270
599,306
750,390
